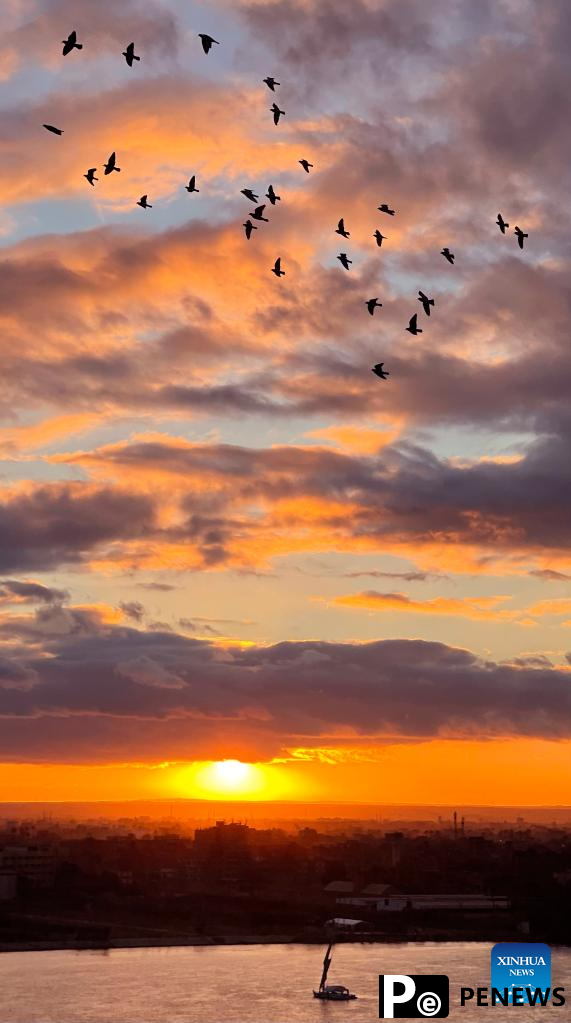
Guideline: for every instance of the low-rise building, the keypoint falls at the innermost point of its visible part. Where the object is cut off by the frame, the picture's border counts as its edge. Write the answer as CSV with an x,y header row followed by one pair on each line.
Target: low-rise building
x,y
34,864
8,887
470,902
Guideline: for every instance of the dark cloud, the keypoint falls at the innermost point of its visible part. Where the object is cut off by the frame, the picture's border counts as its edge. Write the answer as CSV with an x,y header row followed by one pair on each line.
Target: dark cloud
x,y
16,676
133,609
158,587
24,592
550,574
56,524
114,686
409,577
404,494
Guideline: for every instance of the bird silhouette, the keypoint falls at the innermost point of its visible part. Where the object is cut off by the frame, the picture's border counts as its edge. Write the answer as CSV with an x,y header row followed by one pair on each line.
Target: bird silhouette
x,y
386,209
426,302
372,304
277,268
258,214
380,238
448,255
110,166
502,223
271,83
71,43
191,187
306,165
277,113
248,228
344,260
412,327
271,195
130,55
520,236
50,127
382,373
207,41
249,194
143,202
91,175
340,229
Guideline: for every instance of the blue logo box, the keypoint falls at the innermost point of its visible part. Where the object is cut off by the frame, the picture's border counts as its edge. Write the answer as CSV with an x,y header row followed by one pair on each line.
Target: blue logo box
x,y
517,964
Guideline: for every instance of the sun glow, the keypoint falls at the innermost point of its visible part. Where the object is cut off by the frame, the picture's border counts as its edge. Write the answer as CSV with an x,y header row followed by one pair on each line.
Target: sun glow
x,y
229,779
233,776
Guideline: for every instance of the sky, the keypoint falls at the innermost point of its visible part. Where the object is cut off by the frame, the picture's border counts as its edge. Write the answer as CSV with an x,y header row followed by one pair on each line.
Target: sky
x,y
223,538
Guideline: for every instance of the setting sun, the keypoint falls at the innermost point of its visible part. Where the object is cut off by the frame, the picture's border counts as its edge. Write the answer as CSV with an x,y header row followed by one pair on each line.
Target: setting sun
x,y
235,779
232,775
223,779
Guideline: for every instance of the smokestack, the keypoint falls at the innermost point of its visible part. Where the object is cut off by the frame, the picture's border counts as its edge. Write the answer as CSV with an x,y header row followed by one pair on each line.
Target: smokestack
x,y
455,824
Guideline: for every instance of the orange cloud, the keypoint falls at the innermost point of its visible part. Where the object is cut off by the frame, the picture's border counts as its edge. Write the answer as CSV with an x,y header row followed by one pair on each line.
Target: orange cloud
x,y
477,608
39,435
360,439
551,607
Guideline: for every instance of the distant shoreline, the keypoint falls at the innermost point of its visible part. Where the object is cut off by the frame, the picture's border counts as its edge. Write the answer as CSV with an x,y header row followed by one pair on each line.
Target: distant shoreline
x,y
249,939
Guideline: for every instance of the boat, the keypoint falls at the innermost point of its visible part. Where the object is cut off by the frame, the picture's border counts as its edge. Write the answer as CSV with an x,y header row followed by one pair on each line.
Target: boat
x,y
331,992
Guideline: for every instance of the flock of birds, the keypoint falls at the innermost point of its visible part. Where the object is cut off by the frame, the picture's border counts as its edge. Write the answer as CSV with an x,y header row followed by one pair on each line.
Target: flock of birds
x,y
257,214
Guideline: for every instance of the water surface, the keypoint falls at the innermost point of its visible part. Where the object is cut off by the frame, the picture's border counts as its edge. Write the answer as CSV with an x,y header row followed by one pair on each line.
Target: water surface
x,y
239,984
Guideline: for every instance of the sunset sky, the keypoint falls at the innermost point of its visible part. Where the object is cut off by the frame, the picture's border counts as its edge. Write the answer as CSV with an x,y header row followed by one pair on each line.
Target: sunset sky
x,y
221,537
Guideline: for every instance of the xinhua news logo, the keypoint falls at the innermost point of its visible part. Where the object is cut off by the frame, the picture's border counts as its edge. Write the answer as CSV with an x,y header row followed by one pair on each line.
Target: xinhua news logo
x,y
522,966
414,996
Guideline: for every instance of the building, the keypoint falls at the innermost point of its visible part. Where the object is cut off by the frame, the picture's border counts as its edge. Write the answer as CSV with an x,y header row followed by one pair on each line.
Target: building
x,y
8,885
339,888
34,864
423,903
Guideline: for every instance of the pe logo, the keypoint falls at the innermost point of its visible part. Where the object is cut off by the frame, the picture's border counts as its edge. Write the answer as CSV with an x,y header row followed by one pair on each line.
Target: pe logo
x,y
414,996
517,964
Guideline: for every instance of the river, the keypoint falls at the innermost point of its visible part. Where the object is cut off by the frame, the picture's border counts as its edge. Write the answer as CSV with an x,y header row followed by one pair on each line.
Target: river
x,y
239,984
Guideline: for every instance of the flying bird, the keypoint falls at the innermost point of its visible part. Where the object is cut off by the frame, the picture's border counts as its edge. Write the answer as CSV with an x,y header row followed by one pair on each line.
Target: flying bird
x,y
258,214
271,83
248,228
277,268
306,165
344,260
382,373
448,255
271,195
191,187
372,304
249,194
71,43
277,113
386,209
207,41
110,165
380,238
412,327
50,127
130,55
143,202
341,229
426,302
91,175
502,223
520,236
